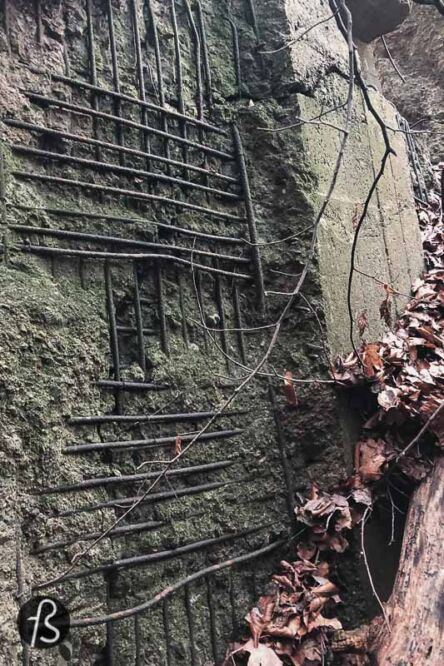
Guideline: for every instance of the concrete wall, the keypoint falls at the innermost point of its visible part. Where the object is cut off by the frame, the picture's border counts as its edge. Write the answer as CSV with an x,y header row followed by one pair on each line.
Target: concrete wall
x,y
46,305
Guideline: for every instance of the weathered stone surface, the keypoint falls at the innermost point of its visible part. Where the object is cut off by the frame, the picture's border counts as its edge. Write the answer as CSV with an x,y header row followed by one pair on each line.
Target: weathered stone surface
x,y
373,18
418,49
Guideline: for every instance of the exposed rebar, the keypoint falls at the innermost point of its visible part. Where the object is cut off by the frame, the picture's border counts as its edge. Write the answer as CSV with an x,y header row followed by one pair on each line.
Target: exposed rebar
x,y
114,341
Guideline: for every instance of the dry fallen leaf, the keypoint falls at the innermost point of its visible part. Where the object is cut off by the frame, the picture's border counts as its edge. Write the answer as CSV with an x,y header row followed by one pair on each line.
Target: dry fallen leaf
x,y
289,389
263,656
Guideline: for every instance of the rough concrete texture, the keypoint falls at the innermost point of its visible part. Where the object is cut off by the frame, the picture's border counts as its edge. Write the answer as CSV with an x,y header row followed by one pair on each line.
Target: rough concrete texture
x,y
417,47
55,340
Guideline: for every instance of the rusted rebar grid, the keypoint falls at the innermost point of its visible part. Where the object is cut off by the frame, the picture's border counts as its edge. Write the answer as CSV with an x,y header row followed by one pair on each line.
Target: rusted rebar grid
x,y
127,220
114,340
132,100
131,330
190,622
172,589
124,242
119,169
259,277
144,127
107,189
145,134
41,129
205,54
117,102
121,531
414,160
200,302
159,556
152,443
99,482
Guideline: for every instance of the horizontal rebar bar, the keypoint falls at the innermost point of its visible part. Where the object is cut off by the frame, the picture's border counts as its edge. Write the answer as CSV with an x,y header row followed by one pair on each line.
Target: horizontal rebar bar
x,y
123,256
85,110
128,193
129,330
124,502
78,138
115,240
125,385
118,168
154,418
132,100
92,536
133,478
150,443
160,556
128,220
172,589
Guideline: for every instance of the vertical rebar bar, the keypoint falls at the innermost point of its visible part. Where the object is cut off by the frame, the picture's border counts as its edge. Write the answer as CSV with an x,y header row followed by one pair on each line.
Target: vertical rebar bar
x,y
159,73
3,208
236,54
212,611
259,276
232,601
179,80
137,641
253,15
92,72
185,335
139,320
38,21
167,630
190,619
205,54
6,20
197,50
221,313
289,495
113,333
109,645
164,342
238,321
116,79
200,303
140,78
21,590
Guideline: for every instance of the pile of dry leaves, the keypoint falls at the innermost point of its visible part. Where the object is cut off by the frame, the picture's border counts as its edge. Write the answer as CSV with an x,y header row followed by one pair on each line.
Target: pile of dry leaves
x,y
293,624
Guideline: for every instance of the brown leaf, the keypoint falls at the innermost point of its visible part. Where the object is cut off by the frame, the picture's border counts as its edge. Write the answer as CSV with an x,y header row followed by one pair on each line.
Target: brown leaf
x,y
372,459
372,360
384,308
263,656
289,389
178,445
